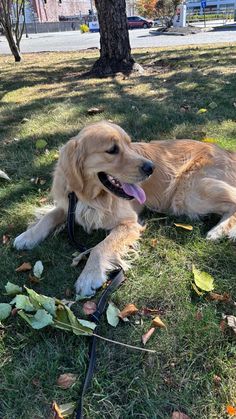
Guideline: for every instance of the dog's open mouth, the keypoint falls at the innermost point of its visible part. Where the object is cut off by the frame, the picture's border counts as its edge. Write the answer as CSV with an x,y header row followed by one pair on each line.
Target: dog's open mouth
x,y
122,190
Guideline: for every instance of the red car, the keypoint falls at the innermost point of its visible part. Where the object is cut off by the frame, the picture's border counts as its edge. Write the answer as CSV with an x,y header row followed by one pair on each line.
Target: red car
x,y
139,22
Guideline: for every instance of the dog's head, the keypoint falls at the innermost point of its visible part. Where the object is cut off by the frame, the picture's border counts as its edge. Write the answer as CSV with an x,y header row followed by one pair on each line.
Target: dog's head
x,y
101,157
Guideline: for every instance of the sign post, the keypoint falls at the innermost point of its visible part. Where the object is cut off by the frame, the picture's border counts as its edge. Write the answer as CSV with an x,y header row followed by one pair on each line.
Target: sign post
x,y
203,5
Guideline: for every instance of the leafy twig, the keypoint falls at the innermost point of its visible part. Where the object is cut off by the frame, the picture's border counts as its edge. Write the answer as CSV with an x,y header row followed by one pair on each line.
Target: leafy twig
x,y
109,340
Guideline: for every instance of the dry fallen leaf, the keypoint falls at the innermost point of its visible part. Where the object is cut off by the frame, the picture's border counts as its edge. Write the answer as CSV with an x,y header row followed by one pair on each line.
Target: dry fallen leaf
x,y
36,382
68,292
184,226
43,200
179,415
222,325
26,266
185,107
231,410
56,411
63,410
199,315
219,297
202,110
145,311
14,311
231,320
94,111
89,307
153,242
216,380
128,311
147,335
33,279
209,140
157,322
5,239
66,380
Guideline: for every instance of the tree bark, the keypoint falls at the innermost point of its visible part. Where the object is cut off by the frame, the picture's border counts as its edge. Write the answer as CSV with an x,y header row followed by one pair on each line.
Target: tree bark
x,y
12,44
6,21
115,52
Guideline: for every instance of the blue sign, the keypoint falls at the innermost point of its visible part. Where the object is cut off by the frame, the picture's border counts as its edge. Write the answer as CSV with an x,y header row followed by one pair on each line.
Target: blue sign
x,y
203,4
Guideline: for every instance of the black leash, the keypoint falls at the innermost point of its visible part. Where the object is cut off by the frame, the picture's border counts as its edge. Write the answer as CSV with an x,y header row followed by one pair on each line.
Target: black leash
x,y
116,277
71,222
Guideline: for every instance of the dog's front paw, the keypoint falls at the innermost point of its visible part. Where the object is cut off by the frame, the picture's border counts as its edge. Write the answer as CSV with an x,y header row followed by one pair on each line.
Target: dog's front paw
x,y
24,241
89,281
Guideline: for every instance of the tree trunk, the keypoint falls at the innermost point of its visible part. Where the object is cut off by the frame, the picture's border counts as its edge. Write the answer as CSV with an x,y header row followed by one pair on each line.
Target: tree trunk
x,y
12,44
115,52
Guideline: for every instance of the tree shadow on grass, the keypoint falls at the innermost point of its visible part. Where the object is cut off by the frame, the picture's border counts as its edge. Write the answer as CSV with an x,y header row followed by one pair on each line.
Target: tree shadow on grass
x,y
149,113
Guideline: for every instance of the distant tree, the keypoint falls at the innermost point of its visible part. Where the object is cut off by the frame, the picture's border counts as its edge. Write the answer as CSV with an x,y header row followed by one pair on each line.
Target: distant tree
x,y
147,8
166,10
115,51
11,14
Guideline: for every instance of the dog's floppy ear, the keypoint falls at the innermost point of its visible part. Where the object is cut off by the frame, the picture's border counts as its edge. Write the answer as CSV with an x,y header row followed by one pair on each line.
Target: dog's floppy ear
x,y
71,161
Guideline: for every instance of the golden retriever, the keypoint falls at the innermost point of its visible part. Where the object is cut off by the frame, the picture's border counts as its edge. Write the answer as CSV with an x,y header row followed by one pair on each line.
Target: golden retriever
x,y
114,178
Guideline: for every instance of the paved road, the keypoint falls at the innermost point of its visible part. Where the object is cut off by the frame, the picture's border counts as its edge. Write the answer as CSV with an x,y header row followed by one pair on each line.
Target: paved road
x,y
74,40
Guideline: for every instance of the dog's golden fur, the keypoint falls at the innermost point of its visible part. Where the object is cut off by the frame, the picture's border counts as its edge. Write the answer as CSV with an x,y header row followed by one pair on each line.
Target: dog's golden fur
x,y
190,177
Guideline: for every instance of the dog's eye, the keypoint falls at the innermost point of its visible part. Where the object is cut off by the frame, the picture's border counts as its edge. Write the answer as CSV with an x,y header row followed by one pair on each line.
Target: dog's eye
x,y
113,150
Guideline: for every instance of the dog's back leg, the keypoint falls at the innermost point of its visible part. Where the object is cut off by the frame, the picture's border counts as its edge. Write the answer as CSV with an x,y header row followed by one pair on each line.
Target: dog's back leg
x,y
226,227
220,197
232,231
36,234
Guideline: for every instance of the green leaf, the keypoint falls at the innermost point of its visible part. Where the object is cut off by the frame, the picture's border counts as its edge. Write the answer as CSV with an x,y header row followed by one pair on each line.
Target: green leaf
x,y
112,314
39,301
87,324
203,280
66,320
67,409
213,105
39,320
22,302
5,311
40,144
38,269
12,289
83,297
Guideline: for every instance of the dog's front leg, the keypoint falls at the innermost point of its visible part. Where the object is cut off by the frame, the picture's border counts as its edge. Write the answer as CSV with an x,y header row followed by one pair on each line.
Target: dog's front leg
x,y
38,232
106,256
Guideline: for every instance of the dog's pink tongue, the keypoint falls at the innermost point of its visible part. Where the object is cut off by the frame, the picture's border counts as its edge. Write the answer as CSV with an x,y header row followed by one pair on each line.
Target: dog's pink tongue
x,y
135,191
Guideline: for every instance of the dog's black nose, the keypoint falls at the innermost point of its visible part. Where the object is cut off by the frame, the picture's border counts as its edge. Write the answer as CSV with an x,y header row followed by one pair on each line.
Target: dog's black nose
x,y
147,168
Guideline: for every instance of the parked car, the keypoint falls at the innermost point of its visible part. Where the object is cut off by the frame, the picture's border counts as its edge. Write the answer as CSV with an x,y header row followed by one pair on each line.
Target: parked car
x,y
139,22
157,22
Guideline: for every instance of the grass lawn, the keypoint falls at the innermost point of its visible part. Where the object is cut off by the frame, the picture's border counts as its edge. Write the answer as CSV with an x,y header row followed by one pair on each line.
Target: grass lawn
x,y
46,97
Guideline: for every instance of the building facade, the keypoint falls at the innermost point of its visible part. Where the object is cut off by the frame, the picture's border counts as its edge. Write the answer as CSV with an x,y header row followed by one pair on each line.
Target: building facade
x,y
56,10
212,5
